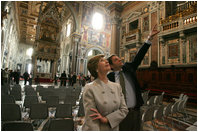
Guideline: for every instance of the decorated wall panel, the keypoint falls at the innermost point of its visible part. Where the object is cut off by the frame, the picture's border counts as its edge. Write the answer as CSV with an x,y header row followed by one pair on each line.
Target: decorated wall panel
x,y
192,41
101,38
173,51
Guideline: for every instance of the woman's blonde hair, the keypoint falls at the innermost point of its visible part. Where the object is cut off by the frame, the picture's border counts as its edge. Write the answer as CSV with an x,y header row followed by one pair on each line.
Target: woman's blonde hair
x,y
93,65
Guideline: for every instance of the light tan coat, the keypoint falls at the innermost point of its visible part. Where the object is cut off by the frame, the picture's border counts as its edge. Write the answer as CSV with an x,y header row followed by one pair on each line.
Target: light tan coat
x,y
108,99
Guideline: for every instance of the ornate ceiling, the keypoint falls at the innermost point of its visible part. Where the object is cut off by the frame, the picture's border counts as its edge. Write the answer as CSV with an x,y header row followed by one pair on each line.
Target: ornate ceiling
x,y
49,15
27,12
30,14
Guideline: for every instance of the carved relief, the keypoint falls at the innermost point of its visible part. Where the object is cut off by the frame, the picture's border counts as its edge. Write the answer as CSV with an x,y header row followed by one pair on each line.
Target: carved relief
x,y
131,16
153,5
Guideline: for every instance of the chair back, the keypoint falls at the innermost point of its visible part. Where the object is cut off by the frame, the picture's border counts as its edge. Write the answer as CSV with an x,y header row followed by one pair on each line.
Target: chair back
x,y
52,101
10,112
63,111
17,126
7,99
148,114
81,111
159,112
167,109
30,91
61,125
29,100
17,94
38,111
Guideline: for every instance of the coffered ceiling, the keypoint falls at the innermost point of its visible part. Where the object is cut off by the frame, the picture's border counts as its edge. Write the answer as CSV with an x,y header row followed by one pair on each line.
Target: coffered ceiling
x,y
46,13
31,13
27,12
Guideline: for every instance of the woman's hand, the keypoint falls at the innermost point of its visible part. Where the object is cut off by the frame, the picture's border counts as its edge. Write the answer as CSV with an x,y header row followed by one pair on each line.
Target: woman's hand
x,y
98,116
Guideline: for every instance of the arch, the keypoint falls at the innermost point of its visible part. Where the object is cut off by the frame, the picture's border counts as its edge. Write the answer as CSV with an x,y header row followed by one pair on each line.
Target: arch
x,y
73,12
94,48
86,58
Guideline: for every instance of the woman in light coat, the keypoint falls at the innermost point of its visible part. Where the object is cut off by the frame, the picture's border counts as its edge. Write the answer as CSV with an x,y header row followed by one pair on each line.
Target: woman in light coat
x,y
103,100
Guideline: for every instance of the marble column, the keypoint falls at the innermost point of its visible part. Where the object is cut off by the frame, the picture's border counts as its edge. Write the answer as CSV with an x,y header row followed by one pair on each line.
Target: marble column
x,y
54,68
75,43
34,62
115,12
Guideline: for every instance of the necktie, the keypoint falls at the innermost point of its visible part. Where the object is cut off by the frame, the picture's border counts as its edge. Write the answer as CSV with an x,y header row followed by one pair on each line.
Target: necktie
x,y
122,83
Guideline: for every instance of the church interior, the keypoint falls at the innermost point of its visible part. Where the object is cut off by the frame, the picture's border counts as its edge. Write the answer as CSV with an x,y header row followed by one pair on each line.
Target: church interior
x,y
44,39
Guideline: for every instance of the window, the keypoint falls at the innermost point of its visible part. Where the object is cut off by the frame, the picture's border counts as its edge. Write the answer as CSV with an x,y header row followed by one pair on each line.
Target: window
x,y
97,21
68,29
90,53
29,52
133,25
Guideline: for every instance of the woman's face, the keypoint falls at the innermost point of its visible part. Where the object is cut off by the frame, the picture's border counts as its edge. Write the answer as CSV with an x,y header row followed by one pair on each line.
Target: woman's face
x,y
103,65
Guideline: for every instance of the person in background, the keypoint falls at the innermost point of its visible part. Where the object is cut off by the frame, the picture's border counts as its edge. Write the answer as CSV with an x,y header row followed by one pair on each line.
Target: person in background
x,y
125,74
37,82
6,75
11,76
55,79
30,79
63,79
26,77
70,79
103,101
17,76
74,77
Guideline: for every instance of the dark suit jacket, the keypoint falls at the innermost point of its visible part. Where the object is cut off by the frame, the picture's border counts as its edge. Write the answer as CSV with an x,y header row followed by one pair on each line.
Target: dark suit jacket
x,y
130,69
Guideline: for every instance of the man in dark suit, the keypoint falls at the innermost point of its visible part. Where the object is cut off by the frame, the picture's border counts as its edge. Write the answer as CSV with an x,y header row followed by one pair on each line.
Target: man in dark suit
x,y
26,77
63,79
125,74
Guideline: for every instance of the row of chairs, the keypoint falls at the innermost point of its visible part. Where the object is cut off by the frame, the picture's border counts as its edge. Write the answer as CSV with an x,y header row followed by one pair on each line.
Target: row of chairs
x,y
51,101
153,100
33,117
156,113
13,113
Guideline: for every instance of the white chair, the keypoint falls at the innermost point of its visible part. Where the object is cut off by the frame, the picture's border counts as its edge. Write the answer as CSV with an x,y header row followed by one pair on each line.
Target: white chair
x,y
151,100
180,97
148,116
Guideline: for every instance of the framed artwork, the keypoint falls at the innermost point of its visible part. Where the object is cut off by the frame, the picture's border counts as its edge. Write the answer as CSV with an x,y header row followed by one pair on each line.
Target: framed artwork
x,y
173,51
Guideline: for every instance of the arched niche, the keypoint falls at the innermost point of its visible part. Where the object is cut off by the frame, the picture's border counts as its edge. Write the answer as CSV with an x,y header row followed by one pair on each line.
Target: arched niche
x,y
96,51
99,50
